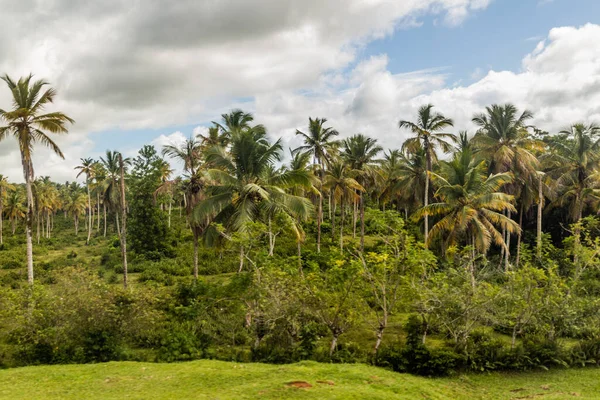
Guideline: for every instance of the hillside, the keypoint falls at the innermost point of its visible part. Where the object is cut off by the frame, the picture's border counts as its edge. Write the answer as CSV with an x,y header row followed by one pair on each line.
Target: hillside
x,y
207,379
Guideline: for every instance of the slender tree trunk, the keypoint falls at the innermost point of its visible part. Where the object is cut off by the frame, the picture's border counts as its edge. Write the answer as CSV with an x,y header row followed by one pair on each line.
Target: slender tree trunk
x,y
37,223
334,341
299,243
362,222
170,207
507,260
27,169
90,221
98,210
379,337
426,197
519,234
355,211
539,219
334,205
320,212
342,225
271,239
124,222
241,259
76,221
13,225
1,217
104,207
195,253
117,224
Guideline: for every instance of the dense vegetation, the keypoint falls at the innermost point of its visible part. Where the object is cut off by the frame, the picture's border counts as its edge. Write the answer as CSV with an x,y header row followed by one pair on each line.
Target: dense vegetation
x,y
484,258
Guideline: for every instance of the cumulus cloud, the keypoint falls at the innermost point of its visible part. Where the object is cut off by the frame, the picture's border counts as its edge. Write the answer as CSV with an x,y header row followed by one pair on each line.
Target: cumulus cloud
x,y
132,65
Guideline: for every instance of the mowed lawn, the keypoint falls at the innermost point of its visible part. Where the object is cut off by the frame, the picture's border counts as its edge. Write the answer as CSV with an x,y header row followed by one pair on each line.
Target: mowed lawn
x,y
207,379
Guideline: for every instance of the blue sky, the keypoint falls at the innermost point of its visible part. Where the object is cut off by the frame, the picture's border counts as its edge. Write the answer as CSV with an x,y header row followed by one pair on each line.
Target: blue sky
x,y
493,38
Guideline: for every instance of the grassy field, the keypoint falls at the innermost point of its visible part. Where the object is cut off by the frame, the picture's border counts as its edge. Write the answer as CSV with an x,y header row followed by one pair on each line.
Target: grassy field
x,y
207,379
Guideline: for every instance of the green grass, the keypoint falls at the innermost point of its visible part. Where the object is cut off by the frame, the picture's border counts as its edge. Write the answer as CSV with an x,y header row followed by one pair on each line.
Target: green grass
x,y
207,379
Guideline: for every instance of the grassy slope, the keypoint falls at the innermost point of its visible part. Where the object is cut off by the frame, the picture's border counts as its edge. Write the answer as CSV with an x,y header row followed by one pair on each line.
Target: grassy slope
x,y
207,379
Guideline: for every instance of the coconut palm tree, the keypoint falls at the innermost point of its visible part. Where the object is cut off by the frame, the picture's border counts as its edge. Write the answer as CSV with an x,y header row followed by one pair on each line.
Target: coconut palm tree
x,y
411,181
470,204
28,123
505,143
190,154
5,186
87,168
428,136
359,152
574,163
76,206
318,142
15,208
111,195
343,186
242,191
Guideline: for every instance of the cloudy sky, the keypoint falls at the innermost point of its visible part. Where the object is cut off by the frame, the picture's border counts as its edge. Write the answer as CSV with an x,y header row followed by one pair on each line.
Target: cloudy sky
x,y
132,72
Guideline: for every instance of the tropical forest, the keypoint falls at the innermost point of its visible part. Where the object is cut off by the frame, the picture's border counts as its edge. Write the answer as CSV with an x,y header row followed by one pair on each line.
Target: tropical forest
x,y
460,253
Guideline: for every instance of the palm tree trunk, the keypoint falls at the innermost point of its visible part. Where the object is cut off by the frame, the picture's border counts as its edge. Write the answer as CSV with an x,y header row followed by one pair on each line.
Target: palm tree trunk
x,y
170,207
104,207
90,221
539,219
117,224
98,210
426,197
1,216
362,222
271,238
241,259
37,223
124,222
76,221
519,234
507,260
27,169
320,212
342,225
355,211
333,220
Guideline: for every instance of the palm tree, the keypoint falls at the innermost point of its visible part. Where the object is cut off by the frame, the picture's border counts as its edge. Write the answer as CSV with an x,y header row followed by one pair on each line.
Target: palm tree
x,y
190,154
470,204
428,136
412,176
244,189
111,195
76,205
87,168
5,186
233,123
359,151
574,163
343,187
27,122
318,143
504,141
15,208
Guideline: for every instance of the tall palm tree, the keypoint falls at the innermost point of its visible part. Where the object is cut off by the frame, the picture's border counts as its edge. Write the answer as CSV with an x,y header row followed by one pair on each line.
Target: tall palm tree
x,y
504,141
76,206
28,123
412,176
343,187
574,163
243,190
470,204
428,136
190,154
319,143
5,186
359,151
111,196
87,168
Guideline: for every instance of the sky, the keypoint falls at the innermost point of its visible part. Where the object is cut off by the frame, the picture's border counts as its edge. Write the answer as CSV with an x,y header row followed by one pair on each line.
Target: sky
x,y
134,72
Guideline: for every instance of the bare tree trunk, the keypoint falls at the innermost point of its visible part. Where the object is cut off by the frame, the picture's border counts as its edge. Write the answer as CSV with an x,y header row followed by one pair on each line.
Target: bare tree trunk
x,y
319,218
271,238
379,337
28,172
37,223
124,222
118,225
300,258
519,234
334,341
104,207
362,222
98,210
342,225
539,219
170,207
426,203
507,260
355,206
241,259
90,221
1,216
